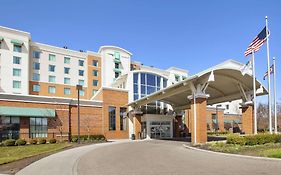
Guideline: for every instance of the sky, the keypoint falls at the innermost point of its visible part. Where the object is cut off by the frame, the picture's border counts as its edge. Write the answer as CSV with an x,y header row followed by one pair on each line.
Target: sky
x,y
192,35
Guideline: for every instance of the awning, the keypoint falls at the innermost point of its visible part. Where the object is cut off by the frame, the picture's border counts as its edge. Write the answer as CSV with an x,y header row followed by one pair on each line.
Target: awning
x,y
26,112
1,38
117,70
16,42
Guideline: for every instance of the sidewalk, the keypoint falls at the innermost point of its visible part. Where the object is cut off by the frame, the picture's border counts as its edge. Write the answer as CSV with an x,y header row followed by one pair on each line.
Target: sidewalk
x,y
63,163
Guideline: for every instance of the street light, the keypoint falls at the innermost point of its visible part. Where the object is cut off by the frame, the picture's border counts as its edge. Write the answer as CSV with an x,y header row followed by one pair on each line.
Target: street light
x,y
78,88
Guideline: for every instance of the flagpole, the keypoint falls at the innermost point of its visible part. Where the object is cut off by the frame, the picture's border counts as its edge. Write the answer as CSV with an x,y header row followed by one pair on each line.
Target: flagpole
x,y
254,88
274,89
268,70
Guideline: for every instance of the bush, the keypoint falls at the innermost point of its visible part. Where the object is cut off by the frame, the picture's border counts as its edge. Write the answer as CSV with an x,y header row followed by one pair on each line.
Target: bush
x,y
10,142
52,141
74,139
33,141
85,138
20,142
42,141
251,140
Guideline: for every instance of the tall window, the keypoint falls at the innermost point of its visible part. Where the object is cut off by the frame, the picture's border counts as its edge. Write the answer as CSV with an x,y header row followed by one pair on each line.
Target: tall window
x,y
36,66
36,77
66,80
112,118
66,70
52,89
52,79
95,63
38,127
116,65
81,72
17,48
52,57
16,72
123,125
81,62
66,60
116,75
16,84
95,73
36,88
52,68
16,60
36,54
95,82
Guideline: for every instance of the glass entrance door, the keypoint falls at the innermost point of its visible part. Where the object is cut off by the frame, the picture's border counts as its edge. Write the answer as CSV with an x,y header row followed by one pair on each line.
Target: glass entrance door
x,y
160,129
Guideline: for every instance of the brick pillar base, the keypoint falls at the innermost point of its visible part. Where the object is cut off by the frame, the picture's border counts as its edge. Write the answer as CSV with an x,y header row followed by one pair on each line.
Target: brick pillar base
x,y
201,124
137,125
247,119
220,121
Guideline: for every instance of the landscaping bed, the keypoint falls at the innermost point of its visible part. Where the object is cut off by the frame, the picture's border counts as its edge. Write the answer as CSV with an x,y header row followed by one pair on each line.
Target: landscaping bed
x,y
263,145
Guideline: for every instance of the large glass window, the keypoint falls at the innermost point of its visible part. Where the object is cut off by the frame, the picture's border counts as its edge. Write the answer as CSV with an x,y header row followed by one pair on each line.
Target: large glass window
x,y
66,60
52,79
36,88
112,118
36,66
66,80
95,82
17,48
36,77
10,127
16,60
16,84
81,82
16,72
52,57
123,123
81,92
67,91
52,68
38,127
52,89
66,70
36,54
81,63
81,72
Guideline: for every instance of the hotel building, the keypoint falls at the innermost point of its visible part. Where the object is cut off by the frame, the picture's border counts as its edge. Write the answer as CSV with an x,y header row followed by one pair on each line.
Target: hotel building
x,y
38,96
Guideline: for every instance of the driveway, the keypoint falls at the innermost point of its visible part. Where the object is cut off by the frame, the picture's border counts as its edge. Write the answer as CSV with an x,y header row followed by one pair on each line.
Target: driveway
x,y
148,158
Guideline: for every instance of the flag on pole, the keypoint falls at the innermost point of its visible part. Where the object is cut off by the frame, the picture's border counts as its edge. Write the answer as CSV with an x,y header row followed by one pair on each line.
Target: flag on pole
x,y
256,43
246,68
271,72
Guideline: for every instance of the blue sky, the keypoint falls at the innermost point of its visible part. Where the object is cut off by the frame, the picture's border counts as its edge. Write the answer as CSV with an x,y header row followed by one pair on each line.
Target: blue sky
x,y
193,35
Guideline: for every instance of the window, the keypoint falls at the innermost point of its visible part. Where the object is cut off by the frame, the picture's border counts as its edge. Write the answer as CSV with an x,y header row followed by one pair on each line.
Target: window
x,y
116,75
177,78
81,62
36,66
16,84
52,79
116,65
52,68
66,60
123,126
81,92
95,82
94,92
66,70
36,54
112,116
38,127
52,89
66,91
81,73
117,55
81,82
95,73
227,106
36,77
66,80
10,127
16,72
16,60
95,63
36,88
17,48
52,57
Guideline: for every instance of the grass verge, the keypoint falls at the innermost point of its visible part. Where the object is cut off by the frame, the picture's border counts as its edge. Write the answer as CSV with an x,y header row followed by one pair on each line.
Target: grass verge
x,y
272,150
13,153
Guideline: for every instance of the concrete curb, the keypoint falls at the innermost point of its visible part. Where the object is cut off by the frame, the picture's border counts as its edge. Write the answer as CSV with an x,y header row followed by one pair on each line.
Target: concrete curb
x,y
232,155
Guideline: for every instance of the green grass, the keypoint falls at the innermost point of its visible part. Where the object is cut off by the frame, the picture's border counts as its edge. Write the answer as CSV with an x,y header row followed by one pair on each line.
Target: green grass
x,y
13,153
267,150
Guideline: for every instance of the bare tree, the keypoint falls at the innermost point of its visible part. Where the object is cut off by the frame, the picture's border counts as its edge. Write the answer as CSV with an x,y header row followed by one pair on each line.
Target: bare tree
x,y
87,124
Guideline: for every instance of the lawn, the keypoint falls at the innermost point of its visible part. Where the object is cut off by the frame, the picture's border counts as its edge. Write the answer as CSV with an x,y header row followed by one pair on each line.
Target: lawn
x,y
13,153
272,150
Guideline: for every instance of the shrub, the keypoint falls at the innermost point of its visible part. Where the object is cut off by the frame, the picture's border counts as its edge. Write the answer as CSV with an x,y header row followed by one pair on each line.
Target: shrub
x,y
74,139
42,141
235,139
52,141
33,141
20,142
10,142
251,140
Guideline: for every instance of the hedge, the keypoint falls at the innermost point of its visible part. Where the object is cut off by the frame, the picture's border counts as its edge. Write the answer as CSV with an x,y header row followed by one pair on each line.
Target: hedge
x,y
251,140
85,138
42,141
20,142
33,141
10,142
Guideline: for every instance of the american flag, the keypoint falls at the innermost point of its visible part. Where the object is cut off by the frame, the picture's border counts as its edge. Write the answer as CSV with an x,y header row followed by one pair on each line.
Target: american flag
x,y
256,43
271,72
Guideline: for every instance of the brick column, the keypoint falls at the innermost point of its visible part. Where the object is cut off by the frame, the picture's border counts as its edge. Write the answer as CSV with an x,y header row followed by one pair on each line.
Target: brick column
x,y
220,121
137,125
247,119
201,124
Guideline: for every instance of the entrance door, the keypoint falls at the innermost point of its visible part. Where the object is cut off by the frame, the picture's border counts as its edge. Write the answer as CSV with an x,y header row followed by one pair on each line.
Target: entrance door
x,y
160,129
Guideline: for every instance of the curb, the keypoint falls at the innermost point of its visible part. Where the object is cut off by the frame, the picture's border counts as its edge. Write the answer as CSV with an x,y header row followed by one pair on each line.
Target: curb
x,y
232,155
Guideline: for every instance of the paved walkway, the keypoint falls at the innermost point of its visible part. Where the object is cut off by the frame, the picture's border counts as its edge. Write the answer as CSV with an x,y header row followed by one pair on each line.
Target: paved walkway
x,y
148,158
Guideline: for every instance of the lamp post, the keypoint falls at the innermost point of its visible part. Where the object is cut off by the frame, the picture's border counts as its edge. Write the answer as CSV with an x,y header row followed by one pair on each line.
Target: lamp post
x,y
78,88
217,116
